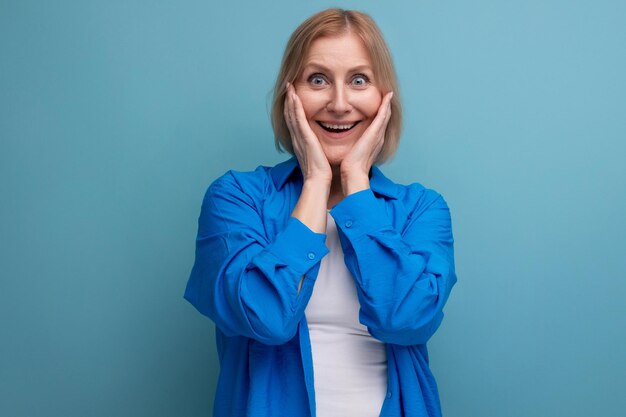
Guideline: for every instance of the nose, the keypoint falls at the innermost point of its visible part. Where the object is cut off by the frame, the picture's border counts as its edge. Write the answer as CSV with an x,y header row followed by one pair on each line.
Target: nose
x,y
339,101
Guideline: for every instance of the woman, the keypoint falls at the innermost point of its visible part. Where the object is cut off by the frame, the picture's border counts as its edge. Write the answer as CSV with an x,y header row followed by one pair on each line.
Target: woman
x,y
324,278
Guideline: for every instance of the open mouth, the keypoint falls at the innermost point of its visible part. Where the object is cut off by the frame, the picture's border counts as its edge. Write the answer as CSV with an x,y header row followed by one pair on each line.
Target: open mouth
x,y
337,128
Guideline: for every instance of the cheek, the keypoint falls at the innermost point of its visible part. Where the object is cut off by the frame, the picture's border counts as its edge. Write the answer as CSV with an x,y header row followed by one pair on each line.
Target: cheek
x,y
373,103
312,102
369,103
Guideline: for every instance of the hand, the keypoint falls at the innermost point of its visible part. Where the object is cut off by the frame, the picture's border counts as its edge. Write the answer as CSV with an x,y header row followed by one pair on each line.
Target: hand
x,y
359,160
306,145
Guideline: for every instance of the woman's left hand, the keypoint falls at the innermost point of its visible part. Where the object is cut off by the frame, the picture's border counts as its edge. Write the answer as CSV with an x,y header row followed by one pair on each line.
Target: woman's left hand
x,y
356,165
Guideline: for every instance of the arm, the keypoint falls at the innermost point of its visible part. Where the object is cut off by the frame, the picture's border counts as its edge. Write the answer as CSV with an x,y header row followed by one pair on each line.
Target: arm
x,y
403,279
247,284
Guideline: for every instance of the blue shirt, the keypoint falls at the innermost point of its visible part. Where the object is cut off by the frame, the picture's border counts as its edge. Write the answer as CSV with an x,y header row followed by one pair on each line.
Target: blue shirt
x,y
250,257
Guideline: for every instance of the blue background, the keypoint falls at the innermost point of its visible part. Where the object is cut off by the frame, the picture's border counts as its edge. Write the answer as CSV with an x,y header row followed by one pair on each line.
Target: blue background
x,y
116,115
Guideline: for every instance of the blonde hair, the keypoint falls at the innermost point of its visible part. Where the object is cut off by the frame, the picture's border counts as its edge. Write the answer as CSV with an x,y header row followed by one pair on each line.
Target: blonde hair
x,y
335,22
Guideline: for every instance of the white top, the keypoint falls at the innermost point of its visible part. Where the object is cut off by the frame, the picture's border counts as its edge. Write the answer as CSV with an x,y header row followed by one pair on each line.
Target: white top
x,y
349,365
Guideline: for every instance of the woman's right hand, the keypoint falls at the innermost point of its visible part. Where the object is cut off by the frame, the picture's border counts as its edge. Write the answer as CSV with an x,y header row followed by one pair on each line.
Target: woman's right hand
x,y
306,145
316,171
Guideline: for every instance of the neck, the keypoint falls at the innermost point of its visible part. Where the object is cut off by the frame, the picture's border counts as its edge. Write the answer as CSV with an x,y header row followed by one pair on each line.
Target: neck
x,y
336,189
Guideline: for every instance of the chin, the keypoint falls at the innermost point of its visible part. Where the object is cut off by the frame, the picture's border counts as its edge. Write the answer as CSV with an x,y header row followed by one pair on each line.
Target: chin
x,y
335,163
335,156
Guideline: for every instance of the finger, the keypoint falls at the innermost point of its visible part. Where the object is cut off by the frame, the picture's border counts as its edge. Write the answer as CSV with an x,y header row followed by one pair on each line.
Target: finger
x,y
292,114
386,113
286,111
289,119
287,114
292,109
388,110
379,123
383,110
286,107
386,105
303,124
299,136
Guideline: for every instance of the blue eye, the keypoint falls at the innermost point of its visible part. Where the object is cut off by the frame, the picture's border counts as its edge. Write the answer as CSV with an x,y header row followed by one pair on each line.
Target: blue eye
x,y
317,79
360,80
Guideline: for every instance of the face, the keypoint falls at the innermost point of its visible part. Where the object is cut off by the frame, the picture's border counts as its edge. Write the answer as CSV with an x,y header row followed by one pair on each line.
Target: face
x,y
339,93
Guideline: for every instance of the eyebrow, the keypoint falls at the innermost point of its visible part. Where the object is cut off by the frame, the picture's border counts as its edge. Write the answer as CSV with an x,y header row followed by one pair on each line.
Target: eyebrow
x,y
324,68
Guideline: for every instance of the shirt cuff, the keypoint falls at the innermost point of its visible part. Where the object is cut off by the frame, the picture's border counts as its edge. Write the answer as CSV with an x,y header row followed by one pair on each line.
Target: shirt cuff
x,y
360,213
299,247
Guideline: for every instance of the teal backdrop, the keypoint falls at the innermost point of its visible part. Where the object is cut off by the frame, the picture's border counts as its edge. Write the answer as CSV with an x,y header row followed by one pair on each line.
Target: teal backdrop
x,y
116,115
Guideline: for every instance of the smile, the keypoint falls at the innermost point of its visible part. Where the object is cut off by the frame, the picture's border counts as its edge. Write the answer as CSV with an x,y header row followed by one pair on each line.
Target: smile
x,y
337,128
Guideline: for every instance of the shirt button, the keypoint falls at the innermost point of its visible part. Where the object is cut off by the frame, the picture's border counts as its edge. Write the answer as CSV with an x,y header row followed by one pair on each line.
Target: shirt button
x,y
349,223
311,255
389,394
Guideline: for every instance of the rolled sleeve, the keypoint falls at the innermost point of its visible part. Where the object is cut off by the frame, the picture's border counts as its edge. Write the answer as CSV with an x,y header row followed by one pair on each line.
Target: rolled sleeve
x,y
359,214
246,282
403,273
298,247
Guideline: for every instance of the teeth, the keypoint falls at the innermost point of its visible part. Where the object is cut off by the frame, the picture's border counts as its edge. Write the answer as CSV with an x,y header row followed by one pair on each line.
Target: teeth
x,y
337,127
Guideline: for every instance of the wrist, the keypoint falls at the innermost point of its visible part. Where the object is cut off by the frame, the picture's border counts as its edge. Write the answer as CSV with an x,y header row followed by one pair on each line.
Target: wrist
x,y
311,206
354,182
318,176
317,182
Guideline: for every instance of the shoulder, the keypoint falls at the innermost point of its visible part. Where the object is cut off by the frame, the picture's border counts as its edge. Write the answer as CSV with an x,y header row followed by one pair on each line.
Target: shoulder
x,y
416,198
427,212
249,185
421,198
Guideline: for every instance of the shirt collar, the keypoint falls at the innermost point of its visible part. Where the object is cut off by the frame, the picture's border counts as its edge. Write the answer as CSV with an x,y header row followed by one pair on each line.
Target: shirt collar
x,y
378,182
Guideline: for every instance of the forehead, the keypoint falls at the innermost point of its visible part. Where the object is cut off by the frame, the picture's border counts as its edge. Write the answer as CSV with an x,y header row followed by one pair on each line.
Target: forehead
x,y
342,50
